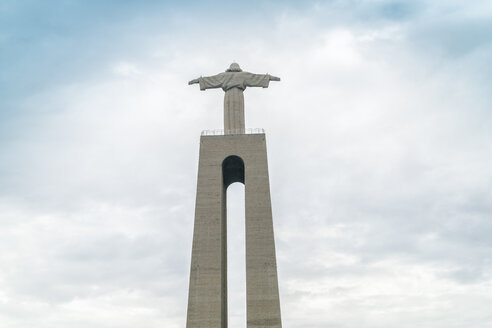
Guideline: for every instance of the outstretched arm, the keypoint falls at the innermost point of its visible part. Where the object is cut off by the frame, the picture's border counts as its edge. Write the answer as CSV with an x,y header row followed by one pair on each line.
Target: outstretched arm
x,y
258,80
195,81
209,82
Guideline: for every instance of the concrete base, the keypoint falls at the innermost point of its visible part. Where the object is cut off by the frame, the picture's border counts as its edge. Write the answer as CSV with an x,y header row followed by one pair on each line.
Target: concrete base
x,y
224,160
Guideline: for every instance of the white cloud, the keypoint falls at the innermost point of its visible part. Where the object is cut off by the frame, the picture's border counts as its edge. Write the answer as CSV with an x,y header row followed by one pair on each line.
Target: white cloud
x,y
380,172
125,69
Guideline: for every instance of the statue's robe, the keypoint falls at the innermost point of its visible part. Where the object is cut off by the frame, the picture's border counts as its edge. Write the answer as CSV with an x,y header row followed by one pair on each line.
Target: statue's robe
x,y
234,83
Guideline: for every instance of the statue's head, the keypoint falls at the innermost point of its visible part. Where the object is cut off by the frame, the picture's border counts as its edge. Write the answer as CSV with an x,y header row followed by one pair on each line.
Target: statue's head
x,y
234,68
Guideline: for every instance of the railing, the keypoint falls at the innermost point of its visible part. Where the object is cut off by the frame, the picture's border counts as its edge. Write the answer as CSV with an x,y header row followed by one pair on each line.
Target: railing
x,y
220,132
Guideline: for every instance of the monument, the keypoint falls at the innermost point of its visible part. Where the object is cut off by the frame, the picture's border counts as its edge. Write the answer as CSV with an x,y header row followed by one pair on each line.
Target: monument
x,y
235,155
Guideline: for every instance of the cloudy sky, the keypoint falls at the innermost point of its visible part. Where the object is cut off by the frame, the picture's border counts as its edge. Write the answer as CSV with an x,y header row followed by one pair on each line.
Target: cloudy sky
x,y
380,157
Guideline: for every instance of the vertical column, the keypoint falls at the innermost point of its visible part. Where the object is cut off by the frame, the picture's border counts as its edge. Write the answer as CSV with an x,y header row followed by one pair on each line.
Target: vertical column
x,y
263,304
207,299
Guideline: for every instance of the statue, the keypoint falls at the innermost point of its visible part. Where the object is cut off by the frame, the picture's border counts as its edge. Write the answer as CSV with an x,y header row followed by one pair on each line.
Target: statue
x,y
233,82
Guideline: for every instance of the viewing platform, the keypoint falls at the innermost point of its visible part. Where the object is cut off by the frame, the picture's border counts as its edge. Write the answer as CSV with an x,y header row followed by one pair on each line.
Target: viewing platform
x,y
221,132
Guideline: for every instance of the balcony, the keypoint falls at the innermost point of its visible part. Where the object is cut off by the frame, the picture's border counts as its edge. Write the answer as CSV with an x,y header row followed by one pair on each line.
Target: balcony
x,y
220,132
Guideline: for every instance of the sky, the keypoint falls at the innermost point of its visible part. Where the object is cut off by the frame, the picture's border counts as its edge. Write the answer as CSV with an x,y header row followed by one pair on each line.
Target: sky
x,y
379,149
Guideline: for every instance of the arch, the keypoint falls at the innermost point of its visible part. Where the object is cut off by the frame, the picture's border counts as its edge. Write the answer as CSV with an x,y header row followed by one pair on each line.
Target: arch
x,y
232,170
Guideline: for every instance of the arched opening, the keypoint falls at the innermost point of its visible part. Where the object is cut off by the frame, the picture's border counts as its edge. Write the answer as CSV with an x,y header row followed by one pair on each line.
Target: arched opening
x,y
233,171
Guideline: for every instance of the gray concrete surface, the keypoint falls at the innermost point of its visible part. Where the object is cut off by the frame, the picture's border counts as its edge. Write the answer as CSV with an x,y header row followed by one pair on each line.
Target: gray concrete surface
x,y
207,302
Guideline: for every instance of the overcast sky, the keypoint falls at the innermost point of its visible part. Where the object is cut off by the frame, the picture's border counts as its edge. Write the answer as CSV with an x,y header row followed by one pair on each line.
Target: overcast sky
x,y
380,157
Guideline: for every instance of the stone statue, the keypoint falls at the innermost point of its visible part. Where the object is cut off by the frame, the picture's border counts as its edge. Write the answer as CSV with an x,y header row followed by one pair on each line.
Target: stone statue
x,y
233,82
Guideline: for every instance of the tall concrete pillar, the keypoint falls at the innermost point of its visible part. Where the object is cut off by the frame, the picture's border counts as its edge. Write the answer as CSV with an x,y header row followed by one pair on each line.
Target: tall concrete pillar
x,y
223,160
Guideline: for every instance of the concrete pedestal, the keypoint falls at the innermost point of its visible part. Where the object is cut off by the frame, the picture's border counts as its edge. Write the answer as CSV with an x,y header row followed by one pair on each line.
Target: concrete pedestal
x,y
223,160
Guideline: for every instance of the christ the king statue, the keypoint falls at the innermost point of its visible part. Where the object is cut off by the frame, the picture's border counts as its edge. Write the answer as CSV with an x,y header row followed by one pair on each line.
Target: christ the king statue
x,y
233,81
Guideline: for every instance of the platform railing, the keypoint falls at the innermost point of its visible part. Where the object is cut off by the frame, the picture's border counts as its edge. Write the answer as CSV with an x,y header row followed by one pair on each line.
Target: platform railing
x,y
221,132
